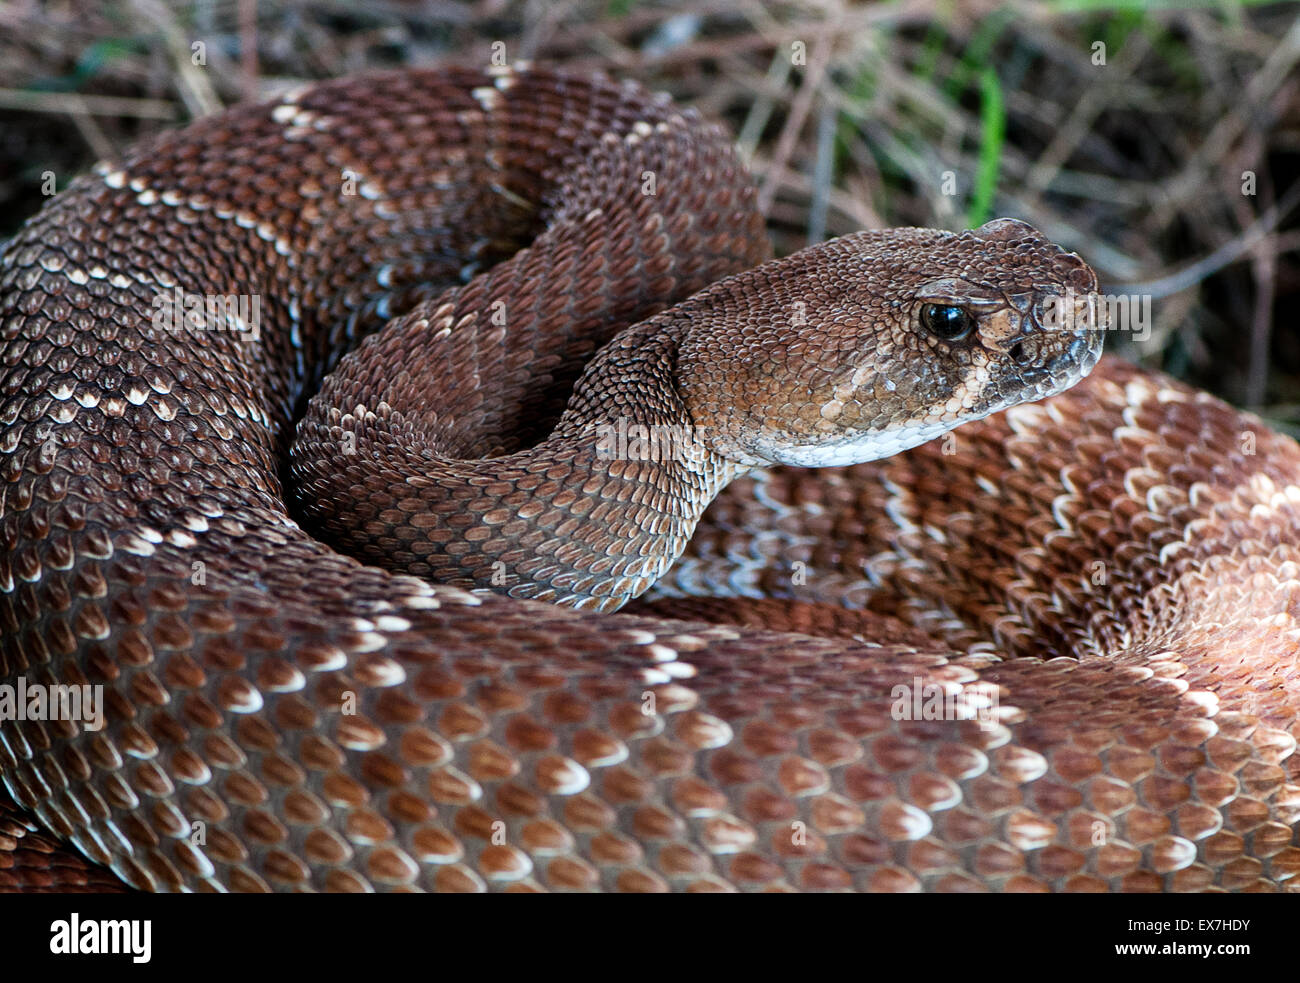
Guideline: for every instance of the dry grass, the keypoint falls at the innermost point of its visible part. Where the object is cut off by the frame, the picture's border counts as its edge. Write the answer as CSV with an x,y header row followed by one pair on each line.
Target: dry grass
x,y
851,114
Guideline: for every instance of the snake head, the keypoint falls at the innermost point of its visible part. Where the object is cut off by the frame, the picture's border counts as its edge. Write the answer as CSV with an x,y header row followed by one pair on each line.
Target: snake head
x,y
861,347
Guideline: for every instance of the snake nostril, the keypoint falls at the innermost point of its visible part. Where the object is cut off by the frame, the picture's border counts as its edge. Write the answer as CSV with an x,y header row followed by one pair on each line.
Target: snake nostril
x,y
1017,352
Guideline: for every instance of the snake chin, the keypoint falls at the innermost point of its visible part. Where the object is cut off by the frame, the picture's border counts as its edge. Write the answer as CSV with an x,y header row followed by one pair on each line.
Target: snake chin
x,y
859,449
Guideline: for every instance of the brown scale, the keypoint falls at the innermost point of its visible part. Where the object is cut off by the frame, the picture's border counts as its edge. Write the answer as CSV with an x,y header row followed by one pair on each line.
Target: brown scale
x,y
1111,564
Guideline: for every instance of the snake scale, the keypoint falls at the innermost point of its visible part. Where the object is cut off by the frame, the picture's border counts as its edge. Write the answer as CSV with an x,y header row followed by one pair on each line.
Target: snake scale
x,y
307,547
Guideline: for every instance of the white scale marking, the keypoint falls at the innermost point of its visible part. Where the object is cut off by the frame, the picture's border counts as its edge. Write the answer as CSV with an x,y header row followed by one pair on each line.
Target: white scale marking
x,y
488,98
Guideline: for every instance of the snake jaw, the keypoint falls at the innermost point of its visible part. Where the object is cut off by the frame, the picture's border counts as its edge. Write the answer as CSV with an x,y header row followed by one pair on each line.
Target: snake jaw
x,y
871,446
1064,371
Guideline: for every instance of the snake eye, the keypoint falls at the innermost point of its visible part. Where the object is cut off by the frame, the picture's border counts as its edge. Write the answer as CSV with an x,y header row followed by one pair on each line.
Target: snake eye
x,y
948,323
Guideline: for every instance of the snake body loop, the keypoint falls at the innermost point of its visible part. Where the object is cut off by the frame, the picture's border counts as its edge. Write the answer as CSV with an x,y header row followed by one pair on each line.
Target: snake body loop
x,y
1056,652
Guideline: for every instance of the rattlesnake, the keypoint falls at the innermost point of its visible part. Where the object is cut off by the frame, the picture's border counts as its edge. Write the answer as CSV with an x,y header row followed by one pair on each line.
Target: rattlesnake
x,y
1056,649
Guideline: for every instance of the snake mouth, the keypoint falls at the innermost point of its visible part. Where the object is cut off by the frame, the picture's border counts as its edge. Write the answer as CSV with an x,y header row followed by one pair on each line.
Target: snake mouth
x,y
1062,344
1066,369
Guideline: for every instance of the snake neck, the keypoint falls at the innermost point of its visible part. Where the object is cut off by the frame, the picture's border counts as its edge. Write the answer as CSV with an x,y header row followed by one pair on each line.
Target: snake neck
x,y
643,472
588,518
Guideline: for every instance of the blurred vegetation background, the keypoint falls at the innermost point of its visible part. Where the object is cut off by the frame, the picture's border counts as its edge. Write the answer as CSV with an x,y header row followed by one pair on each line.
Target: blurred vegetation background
x,y
1160,141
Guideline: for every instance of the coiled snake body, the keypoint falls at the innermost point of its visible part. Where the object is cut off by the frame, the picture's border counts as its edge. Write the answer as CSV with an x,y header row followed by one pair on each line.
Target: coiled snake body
x,y
550,268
